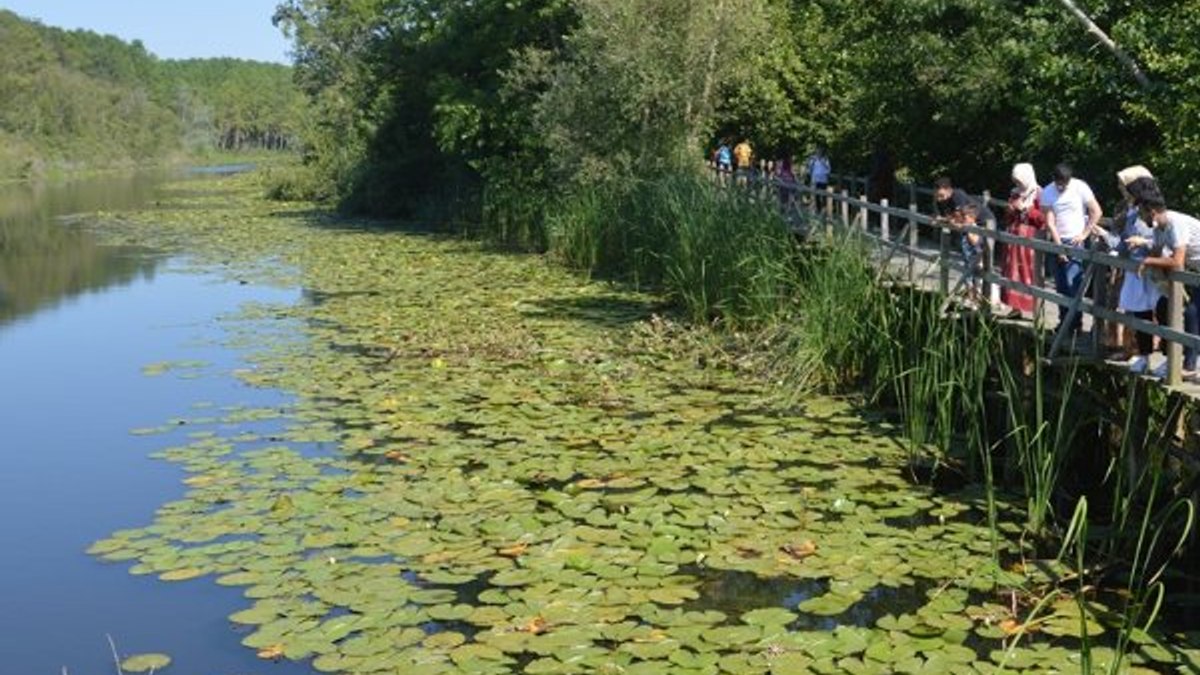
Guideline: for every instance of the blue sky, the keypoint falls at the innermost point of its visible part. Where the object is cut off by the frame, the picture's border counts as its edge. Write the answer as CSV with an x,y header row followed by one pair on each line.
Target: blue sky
x,y
171,29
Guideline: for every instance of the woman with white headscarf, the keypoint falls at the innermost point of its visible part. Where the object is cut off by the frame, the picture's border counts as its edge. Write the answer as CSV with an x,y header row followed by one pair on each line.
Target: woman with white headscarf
x,y
1023,218
1139,294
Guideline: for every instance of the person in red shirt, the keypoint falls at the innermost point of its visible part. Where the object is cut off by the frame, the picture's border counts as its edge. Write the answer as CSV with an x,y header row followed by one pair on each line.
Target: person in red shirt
x,y
1022,218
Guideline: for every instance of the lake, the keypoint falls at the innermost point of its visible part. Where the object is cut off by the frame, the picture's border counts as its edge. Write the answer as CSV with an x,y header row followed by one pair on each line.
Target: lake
x,y
78,323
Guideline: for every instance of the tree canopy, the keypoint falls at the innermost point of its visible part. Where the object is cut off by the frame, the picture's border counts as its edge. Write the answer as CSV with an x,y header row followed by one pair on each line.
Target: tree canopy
x,y
413,96
80,98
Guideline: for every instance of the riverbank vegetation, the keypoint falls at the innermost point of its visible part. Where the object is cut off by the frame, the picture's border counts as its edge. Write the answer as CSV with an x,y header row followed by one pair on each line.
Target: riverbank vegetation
x,y
538,473
531,99
78,100
579,128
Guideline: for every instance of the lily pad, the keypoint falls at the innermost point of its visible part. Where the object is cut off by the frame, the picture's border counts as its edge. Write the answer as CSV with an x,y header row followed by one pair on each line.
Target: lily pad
x,y
142,663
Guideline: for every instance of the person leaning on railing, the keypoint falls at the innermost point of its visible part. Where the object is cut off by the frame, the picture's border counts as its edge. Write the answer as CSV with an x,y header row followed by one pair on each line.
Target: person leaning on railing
x,y
1072,215
1139,295
1176,246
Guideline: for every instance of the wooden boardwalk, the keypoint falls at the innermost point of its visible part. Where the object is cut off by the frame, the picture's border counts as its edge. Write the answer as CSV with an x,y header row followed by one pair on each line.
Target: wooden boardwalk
x,y
915,250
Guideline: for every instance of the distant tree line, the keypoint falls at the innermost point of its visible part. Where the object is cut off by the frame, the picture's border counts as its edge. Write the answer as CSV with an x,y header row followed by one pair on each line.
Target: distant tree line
x,y
77,98
517,99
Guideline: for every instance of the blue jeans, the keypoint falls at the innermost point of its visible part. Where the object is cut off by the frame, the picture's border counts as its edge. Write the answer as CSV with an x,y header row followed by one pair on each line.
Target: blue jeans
x,y
1067,277
1191,323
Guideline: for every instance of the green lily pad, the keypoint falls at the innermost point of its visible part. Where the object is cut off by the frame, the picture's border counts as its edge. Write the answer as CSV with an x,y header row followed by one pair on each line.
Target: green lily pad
x,y
142,663
771,616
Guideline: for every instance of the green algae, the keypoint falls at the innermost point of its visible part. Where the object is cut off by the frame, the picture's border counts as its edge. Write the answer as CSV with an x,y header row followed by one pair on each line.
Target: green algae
x,y
527,480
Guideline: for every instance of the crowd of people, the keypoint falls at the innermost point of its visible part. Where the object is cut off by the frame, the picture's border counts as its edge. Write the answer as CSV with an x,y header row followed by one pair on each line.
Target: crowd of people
x,y
736,165
1064,211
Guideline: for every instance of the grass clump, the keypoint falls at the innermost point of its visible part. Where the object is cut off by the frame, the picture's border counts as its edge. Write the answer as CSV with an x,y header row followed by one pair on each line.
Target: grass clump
x,y
716,254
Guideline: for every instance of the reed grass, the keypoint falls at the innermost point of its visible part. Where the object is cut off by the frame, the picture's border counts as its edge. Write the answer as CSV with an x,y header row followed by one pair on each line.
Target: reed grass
x,y
834,342
716,253
1041,431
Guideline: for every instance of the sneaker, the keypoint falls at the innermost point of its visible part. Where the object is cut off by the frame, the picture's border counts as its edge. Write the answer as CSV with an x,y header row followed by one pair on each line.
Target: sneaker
x,y
1159,371
1138,364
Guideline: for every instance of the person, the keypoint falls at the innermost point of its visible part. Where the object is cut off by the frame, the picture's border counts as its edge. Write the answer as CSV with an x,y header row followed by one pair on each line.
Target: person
x,y
967,215
1072,215
743,155
724,159
817,168
1175,246
1139,295
786,178
947,199
1022,218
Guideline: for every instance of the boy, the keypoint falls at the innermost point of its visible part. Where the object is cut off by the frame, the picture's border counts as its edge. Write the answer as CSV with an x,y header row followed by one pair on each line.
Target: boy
x,y
967,215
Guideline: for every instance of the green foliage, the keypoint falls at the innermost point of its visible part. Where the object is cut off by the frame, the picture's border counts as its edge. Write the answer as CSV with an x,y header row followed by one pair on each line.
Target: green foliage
x,y
832,344
76,98
407,97
715,253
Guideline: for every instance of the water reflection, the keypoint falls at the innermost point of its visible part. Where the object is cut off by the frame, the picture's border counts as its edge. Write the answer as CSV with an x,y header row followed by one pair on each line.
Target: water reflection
x,y
44,259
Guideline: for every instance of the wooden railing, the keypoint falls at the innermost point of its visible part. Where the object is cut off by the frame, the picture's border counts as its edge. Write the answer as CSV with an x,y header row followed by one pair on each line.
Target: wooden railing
x,y
824,213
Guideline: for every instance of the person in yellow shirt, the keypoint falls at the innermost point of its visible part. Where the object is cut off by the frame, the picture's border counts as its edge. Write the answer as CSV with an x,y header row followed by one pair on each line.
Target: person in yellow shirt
x,y
742,156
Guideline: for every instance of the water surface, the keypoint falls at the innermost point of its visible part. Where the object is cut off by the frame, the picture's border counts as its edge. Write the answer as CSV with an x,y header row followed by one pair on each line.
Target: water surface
x,y
78,322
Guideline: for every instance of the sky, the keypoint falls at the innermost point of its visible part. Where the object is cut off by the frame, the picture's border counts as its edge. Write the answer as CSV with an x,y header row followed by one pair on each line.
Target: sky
x,y
171,29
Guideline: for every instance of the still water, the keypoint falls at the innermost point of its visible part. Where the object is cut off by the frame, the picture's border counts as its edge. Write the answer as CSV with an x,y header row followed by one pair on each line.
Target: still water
x,y
78,322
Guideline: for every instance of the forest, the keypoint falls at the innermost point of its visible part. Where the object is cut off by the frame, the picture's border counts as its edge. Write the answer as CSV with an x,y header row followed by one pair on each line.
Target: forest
x,y
74,100
499,107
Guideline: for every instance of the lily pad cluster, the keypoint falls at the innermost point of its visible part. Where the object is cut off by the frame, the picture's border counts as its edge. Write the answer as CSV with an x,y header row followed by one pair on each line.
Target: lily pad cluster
x,y
517,488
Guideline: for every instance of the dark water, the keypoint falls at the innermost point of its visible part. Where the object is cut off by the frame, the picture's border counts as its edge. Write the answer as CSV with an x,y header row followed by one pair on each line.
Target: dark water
x,y
78,321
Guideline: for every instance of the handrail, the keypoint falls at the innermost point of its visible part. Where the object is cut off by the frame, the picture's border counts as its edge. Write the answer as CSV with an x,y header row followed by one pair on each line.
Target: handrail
x,y
833,209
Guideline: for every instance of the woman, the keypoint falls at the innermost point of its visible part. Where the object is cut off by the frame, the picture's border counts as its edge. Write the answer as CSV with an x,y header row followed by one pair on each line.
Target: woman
x,y
1139,294
1023,218
785,177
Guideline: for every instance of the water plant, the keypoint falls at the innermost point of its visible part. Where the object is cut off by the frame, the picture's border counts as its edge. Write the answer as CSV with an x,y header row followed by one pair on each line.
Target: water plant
x,y
483,472
1041,429
715,253
833,342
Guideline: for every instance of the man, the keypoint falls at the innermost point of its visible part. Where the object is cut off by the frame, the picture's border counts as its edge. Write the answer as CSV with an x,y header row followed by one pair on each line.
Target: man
x,y
742,156
1072,215
948,199
955,208
1176,246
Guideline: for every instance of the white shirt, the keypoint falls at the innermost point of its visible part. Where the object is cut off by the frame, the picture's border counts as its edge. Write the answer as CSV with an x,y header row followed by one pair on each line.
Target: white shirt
x,y
1070,207
1181,230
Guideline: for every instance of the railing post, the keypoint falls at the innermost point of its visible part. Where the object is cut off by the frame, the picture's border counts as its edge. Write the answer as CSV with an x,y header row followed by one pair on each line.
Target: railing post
x,y
845,209
883,220
944,260
1175,319
1039,281
912,240
864,213
990,291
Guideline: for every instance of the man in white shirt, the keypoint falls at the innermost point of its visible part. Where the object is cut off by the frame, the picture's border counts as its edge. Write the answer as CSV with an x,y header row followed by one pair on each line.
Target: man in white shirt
x,y
1176,246
1072,215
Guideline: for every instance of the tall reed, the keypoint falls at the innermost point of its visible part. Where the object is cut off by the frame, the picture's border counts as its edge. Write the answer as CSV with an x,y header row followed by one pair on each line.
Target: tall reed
x,y
1040,433
718,254
835,343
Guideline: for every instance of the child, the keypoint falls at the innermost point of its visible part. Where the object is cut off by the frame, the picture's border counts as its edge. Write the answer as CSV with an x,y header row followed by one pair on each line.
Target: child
x,y
967,215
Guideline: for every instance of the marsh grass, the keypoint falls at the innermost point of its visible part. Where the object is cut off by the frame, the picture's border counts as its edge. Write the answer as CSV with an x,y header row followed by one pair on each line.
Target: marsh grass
x,y
716,253
1041,430
1148,529
836,340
